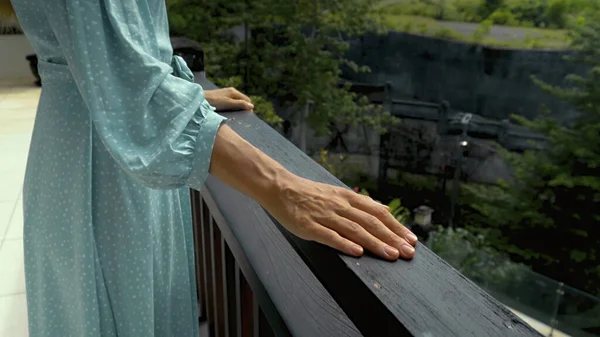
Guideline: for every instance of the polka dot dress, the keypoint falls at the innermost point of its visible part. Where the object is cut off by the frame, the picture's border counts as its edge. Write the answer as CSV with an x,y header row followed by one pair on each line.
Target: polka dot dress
x,y
120,135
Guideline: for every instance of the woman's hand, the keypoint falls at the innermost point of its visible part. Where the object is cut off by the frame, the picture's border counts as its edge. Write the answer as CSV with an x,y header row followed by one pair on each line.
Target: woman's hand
x,y
228,99
340,218
333,216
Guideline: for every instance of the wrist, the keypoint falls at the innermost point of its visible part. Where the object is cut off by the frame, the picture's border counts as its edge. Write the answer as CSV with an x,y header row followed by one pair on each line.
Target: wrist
x,y
272,185
247,169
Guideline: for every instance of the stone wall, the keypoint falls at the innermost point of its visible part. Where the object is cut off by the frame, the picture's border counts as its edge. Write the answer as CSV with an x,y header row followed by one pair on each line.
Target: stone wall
x,y
491,82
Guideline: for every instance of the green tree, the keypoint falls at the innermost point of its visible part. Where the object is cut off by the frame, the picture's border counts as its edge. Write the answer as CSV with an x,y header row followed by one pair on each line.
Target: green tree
x,y
550,213
294,53
439,8
492,5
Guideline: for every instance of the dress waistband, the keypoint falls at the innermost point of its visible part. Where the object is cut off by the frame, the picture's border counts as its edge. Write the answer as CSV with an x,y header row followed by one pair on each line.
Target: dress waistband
x,y
54,72
57,72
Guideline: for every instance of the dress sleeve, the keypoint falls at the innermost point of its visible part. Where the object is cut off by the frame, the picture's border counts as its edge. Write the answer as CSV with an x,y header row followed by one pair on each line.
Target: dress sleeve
x,y
157,126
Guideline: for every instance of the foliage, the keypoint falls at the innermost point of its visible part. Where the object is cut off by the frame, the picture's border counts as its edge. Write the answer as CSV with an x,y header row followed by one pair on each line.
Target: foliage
x,y
531,12
429,8
550,213
446,33
482,30
417,182
534,37
503,17
496,273
338,168
360,190
556,12
474,257
490,6
438,6
294,53
469,10
401,213
524,13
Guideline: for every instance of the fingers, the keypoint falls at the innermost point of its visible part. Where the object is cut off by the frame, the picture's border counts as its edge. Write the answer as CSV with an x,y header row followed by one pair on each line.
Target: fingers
x,y
383,214
376,229
359,235
240,104
332,239
235,94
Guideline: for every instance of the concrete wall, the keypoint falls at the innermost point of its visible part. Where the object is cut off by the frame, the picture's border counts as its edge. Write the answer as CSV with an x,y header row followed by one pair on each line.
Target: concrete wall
x,y
13,50
491,82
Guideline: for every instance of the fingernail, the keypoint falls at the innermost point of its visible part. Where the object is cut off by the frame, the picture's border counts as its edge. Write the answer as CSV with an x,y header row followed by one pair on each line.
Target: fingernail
x,y
251,105
391,252
410,237
357,250
407,250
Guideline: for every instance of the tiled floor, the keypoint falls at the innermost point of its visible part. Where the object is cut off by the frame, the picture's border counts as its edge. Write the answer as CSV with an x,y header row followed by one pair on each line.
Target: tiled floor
x,y
18,101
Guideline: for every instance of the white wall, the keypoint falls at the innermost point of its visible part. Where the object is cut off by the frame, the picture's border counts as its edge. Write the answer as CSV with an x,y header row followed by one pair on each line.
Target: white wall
x,y
13,50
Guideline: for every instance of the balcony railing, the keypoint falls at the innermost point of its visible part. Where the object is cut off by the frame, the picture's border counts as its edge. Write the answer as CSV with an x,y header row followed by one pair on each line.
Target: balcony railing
x,y
256,279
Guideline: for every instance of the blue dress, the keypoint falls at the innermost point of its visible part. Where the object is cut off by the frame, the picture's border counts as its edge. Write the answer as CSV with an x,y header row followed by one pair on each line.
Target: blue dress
x,y
121,133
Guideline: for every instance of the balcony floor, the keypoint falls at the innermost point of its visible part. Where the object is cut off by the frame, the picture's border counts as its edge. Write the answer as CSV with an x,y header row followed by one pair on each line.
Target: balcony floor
x,y
18,101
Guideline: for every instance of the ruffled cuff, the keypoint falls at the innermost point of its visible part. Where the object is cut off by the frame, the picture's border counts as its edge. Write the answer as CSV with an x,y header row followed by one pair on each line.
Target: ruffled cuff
x,y
208,124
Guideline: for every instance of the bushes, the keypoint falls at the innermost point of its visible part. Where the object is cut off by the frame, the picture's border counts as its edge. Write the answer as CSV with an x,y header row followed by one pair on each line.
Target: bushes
x,y
448,10
529,13
490,6
469,10
447,33
482,30
548,13
557,13
503,17
473,256
413,7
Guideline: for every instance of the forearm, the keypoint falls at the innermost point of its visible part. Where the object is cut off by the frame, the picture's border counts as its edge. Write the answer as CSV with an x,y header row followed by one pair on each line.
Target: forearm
x,y
331,215
242,166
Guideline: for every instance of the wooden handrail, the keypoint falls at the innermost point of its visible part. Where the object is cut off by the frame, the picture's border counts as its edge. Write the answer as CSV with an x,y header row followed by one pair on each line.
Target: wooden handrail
x,y
307,290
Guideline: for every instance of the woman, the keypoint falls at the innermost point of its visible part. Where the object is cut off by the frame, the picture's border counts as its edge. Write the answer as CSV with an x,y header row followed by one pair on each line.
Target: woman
x,y
121,133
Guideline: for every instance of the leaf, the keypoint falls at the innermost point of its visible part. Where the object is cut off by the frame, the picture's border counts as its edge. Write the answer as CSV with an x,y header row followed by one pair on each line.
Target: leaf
x,y
580,232
578,255
394,204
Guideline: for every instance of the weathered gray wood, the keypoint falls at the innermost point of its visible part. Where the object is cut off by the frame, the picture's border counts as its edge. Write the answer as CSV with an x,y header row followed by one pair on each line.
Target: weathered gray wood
x,y
426,295
280,280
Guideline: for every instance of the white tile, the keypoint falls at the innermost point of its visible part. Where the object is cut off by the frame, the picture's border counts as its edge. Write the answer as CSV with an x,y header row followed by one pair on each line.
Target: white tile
x,y
14,150
13,316
16,120
12,268
15,225
14,159
25,98
11,183
15,141
6,210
